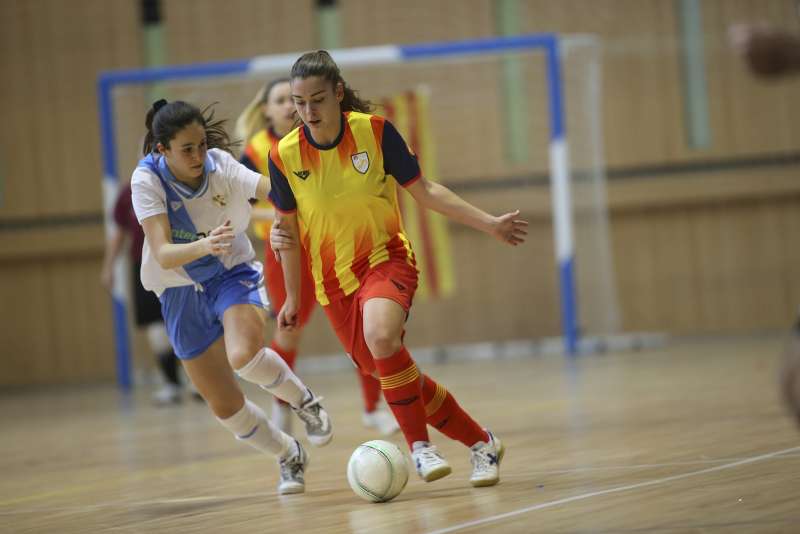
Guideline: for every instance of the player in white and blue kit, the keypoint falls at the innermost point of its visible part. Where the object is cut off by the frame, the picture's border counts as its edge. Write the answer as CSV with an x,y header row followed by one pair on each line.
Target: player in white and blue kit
x,y
191,197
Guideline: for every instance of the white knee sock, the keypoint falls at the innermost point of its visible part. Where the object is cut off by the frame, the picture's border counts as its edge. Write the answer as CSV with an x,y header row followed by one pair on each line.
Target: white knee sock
x,y
250,425
268,370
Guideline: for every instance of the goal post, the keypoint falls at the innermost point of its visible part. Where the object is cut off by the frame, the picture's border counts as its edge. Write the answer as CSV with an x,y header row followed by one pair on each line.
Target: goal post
x,y
562,175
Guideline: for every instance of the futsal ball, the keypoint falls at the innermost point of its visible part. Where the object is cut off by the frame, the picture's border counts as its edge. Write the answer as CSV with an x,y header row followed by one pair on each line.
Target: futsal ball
x,y
377,471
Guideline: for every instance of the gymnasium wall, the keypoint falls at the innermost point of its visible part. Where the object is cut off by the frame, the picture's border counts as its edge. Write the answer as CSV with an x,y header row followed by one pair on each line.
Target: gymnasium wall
x,y
699,249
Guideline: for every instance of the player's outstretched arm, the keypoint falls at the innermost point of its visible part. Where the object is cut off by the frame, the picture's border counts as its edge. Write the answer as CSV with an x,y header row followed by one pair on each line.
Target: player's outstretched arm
x,y
507,227
172,255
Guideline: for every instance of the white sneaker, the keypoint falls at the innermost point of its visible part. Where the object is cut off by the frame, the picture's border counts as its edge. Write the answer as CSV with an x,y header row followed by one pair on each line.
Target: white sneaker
x,y
485,459
381,420
314,416
282,416
168,394
429,462
292,468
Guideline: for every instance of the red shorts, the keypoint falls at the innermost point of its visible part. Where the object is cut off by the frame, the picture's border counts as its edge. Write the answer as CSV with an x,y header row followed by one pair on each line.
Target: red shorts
x,y
277,291
393,279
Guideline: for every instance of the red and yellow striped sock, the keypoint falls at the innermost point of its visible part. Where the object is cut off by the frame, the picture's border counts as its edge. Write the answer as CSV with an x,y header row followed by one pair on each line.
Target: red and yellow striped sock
x,y
289,356
445,415
370,390
401,389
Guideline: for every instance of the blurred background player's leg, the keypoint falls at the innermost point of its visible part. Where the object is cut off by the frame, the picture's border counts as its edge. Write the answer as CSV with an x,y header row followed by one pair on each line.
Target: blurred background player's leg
x,y
148,315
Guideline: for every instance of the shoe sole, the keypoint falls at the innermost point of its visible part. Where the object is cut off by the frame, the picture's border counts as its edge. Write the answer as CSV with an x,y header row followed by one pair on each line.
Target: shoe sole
x,y
436,474
291,490
492,481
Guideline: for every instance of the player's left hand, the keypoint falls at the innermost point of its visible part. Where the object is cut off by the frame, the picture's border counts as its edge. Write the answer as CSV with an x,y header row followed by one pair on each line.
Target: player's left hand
x,y
508,229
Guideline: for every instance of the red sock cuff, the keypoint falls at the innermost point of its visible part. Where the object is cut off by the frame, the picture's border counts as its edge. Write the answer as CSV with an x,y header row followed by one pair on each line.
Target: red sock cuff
x,y
399,361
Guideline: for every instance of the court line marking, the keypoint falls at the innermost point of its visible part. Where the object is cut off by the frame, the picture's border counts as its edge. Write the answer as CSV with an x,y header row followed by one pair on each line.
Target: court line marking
x,y
223,498
609,491
568,471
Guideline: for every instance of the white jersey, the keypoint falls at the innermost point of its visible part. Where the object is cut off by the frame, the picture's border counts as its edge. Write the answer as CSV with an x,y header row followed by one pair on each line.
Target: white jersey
x,y
223,195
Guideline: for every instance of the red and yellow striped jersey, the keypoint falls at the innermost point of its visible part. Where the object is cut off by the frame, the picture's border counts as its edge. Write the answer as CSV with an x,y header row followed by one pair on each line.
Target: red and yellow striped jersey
x,y
345,198
254,157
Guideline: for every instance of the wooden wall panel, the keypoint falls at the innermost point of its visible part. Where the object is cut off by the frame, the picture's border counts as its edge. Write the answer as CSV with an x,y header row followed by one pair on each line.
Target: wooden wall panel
x,y
203,30
748,116
366,22
54,51
640,69
712,269
25,337
57,322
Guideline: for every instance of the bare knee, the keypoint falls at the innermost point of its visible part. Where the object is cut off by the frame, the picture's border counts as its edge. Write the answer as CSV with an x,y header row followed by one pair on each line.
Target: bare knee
x,y
242,354
382,342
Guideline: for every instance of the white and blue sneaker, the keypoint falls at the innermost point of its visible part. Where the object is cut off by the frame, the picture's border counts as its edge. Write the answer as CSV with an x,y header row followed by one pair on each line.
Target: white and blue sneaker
x,y
292,466
485,459
429,462
316,419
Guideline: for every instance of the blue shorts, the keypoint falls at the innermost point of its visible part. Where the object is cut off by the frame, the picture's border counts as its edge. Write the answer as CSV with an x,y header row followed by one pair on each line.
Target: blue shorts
x,y
194,316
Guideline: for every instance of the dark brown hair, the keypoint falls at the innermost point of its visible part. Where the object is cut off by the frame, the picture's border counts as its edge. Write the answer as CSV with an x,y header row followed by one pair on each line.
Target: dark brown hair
x,y
164,121
320,63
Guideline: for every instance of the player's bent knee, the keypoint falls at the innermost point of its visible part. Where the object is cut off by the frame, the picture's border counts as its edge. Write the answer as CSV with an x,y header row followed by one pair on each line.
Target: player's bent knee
x,y
242,356
265,368
382,343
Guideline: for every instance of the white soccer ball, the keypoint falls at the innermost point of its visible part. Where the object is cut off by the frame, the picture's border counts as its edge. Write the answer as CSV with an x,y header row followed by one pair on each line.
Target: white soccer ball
x,y
377,471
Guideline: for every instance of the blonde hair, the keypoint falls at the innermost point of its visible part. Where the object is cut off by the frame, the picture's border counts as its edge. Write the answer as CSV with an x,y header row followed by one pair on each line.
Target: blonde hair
x,y
252,119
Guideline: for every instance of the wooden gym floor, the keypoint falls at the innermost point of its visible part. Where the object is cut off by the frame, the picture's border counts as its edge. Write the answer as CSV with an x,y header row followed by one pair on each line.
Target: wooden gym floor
x,y
690,438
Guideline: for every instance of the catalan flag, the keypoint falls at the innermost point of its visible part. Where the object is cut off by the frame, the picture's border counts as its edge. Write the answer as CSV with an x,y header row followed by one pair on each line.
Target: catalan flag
x,y
426,230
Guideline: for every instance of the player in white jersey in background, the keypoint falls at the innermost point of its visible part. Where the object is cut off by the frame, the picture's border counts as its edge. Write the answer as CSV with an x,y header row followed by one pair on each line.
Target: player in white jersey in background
x,y
191,197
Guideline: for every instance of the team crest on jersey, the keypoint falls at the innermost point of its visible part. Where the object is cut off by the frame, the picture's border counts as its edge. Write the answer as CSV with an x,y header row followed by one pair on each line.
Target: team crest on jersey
x,y
361,162
175,205
219,200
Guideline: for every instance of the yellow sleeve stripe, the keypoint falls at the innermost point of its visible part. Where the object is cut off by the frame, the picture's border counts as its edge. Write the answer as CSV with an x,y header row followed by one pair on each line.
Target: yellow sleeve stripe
x,y
436,402
400,379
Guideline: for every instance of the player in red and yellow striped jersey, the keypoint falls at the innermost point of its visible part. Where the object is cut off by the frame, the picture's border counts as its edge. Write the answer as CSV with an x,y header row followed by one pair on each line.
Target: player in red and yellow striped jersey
x,y
334,185
269,117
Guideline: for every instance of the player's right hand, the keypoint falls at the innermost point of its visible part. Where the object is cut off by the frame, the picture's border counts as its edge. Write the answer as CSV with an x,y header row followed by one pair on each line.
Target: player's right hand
x,y
218,241
287,317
